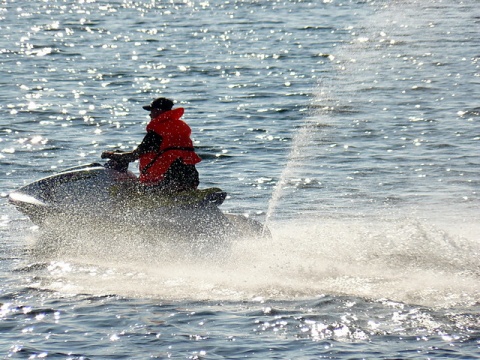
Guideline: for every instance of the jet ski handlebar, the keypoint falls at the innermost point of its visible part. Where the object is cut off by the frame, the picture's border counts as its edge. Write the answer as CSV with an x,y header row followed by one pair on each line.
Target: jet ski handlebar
x,y
118,165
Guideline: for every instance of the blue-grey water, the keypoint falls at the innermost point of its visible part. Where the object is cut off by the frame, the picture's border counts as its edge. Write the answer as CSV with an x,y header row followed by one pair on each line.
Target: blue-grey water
x,y
351,128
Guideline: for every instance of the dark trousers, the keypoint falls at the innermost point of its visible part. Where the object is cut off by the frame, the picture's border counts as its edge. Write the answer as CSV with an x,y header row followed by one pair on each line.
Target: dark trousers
x,y
179,177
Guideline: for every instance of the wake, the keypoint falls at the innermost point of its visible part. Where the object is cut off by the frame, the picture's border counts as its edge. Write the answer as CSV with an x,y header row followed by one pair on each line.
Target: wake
x,y
400,259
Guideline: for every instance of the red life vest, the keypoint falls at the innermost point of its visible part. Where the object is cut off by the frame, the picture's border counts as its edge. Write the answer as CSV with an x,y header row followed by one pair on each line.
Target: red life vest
x,y
176,143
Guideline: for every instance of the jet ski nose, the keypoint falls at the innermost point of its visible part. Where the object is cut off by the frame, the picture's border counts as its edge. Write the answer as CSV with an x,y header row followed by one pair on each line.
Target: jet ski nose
x,y
18,198
29,205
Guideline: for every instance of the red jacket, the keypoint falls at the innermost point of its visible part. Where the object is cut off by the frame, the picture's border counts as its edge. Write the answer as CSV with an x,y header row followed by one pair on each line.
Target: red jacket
x,y
176,143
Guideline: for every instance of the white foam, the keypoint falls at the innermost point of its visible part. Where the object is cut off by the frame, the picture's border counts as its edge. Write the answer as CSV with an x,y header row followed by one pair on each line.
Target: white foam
x,y
402,259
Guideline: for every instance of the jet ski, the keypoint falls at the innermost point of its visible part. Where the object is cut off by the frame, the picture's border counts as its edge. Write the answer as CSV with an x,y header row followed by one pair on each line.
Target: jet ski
x,y
110,197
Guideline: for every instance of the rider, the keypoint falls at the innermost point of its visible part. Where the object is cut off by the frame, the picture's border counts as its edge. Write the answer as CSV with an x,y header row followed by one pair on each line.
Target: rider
x,y
166,154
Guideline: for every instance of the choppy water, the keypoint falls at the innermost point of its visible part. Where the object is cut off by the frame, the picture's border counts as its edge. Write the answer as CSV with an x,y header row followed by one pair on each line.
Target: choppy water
x,y
351,128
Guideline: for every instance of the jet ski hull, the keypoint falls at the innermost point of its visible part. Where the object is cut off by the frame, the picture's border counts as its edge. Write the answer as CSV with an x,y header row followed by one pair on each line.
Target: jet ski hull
x,y
95,195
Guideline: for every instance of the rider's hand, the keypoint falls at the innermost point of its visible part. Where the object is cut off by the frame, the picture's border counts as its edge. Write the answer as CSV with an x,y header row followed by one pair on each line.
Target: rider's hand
x,y
107,155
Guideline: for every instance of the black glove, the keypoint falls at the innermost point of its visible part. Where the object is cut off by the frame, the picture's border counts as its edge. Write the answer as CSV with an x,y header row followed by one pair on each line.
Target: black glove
x,y
107,155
